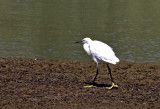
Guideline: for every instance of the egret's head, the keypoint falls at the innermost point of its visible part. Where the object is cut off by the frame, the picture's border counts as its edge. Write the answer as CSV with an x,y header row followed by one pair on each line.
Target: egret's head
x,y
85,40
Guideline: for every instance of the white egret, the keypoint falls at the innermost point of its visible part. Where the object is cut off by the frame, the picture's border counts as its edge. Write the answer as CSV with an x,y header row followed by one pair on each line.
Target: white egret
x,y
100,52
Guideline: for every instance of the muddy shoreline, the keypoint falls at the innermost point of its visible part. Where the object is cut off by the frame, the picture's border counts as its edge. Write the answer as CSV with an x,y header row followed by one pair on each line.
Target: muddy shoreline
x,y
42,83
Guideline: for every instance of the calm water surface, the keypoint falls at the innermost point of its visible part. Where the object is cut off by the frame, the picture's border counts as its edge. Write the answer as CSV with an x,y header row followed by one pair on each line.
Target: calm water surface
x,y
48,28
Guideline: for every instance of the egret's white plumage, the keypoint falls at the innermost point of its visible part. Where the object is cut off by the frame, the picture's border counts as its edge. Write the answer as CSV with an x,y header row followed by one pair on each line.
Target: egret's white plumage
x,y
100,52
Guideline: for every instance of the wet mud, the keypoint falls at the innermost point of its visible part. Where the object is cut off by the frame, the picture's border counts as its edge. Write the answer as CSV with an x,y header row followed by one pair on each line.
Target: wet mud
x,y
49,84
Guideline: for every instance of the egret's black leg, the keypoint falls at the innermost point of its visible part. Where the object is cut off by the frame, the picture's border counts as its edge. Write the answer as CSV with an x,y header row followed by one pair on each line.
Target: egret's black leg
x,y
110,73
93,80
96,74
113,85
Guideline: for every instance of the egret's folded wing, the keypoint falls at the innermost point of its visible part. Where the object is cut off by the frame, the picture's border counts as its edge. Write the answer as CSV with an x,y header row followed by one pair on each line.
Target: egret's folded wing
x,y
103,52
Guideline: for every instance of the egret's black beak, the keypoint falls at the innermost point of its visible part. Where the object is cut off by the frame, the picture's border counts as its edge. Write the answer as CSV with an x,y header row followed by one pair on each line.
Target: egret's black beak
x,y
78,41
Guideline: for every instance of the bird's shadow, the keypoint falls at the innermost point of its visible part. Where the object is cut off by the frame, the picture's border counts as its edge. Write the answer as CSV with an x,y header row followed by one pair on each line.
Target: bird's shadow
x,y
97,85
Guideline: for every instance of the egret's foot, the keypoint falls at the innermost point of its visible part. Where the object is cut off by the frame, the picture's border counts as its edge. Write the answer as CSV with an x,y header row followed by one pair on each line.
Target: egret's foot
x,y
113,85
89,86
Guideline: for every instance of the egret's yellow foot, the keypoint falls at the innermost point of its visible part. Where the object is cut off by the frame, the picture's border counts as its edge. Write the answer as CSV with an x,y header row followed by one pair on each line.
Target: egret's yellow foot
x,y
113,85
89,86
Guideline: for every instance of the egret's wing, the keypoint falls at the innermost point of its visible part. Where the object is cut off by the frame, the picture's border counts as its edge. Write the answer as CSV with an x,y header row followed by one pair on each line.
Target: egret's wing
x,y
103,52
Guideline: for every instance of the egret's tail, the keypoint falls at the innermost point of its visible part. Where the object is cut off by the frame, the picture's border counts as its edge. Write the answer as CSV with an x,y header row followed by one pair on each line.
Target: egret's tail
x,y
116,60
113,60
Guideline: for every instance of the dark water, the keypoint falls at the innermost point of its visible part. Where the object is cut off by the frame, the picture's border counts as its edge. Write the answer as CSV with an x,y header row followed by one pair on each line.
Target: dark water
x,y
48,28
